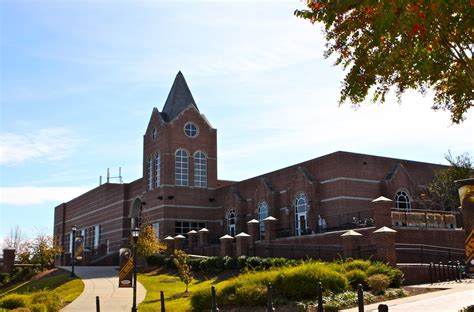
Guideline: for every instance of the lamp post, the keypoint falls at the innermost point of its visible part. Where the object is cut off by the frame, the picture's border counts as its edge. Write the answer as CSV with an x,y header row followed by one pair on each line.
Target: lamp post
x,y
135,233
74,228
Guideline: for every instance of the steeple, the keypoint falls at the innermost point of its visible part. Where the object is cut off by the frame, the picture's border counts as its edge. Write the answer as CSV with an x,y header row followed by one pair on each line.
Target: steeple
x,y
178,99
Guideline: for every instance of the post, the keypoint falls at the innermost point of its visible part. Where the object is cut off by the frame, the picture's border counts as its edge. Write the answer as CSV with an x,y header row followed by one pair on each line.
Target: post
x,y
431,272
135,233
8,260
270,307
162,298
73,253
214,300
382,308
97,304
319,295
360,298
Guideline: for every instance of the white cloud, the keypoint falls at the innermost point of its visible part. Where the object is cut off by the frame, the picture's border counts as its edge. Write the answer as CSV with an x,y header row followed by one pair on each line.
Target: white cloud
x,y
30,195
51,144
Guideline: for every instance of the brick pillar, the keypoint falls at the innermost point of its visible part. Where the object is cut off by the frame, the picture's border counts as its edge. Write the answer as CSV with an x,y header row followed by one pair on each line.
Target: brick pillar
x,y
169,242
192,239
382,211
385,244
8,260
179,242
226,245
270,228
350,243
466,196
242,244
253,230
203,237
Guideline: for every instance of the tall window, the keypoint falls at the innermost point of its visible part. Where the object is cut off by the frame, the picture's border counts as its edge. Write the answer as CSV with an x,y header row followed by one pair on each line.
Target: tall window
x,y
156,227
150,173
96,235
402,200
301,214
262,214
231,220
200,169
181,168
157,169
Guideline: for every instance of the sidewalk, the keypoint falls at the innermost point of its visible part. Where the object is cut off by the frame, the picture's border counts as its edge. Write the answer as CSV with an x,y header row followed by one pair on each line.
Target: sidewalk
x,y
452,298
103,282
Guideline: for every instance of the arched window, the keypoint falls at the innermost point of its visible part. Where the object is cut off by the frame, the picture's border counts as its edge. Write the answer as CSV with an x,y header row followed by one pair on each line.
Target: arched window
x,y
262,214
231,220
157,169
181,168
301,214
200,169
402,200
150,173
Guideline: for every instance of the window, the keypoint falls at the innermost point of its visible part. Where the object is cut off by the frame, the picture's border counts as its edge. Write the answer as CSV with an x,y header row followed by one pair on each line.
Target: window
x,y
154,134
402,200
262,214
69,242
200,169
157,169
301,214
183,227
150,173
96,235
181,168
191,130
156,227
231,220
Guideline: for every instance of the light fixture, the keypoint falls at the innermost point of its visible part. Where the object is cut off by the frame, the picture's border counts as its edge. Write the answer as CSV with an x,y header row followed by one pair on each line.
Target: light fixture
x,y
135,232
74,228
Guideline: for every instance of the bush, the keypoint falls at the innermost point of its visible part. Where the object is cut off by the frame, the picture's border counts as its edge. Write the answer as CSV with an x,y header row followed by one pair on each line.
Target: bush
x,y
229,263
396,276
38,307
357,264
468,309
51,299
394,293
4,279
156,260
356,277
378,283
14,301
331,307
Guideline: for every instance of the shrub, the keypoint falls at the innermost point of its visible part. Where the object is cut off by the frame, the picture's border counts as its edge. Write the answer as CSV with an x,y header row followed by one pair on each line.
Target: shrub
x,y
331,307
200,300
14,301
51,299
357,264
356,277
4,279
393,293
395,275
38,307
468,309
229,263
156,260
195,264
378,283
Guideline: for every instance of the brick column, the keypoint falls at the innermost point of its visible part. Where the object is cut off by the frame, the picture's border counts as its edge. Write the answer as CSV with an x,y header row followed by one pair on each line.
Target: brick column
x,y
203,237
242,244
350,241
169,242
8,260
382,211
466,196
253,230
270,228
192,239
179,242
385,244
226,245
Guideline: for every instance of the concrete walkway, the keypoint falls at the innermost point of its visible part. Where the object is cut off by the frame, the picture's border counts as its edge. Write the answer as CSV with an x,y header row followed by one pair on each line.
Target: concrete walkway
x,y
103,282
452,298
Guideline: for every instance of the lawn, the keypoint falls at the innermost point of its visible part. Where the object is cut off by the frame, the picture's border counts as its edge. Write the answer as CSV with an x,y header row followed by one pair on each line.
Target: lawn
x,y
173,289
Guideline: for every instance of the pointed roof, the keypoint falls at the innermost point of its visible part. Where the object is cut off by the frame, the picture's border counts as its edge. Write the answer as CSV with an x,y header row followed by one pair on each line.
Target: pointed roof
x,y
178,99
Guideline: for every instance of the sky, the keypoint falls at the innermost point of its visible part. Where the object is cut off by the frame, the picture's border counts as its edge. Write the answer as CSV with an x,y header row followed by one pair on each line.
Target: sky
x,y
79,80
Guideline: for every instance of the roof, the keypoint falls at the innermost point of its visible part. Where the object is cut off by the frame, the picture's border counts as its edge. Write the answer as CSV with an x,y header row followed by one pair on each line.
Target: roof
x,y
178,100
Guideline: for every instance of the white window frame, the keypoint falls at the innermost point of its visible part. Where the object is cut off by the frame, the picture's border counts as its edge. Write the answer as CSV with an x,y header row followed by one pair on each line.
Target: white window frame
x,y
191,130
150,173
231,222
402,193
157,170
301,211
200,169
262,214
181,167
96,236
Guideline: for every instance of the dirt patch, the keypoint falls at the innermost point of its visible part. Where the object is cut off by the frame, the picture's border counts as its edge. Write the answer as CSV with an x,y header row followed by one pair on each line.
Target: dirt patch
x,y
52,272
413,291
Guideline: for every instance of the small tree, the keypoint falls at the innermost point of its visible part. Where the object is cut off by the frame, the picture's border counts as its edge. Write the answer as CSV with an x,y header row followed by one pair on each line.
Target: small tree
x,y
43,250
184,270
442,189
18,241
148,243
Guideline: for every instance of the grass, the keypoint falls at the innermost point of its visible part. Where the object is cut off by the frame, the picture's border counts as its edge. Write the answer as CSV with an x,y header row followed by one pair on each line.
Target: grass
x,y
58,282
173,289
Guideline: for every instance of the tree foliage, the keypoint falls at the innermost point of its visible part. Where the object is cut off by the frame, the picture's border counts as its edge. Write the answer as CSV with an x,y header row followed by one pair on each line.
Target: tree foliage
x,y
184,269
43,250
406,44
442,189
148,243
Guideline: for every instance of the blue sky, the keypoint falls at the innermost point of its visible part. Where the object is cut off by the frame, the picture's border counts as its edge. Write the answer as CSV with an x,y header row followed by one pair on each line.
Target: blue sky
x,y
79,80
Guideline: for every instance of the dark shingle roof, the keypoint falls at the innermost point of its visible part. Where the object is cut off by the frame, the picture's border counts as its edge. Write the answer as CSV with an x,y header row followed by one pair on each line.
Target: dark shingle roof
x,y
178,99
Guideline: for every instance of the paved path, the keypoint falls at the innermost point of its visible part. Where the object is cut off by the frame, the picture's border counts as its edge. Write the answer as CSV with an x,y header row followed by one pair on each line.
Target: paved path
x,y
454,297
103,282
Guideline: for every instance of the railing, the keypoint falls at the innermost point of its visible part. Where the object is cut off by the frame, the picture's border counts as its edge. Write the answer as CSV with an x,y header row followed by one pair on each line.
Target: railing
x,y
327,253
420,253
424,218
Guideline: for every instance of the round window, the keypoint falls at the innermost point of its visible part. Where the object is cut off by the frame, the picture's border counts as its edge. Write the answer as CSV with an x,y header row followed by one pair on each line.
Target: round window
x,y
191,130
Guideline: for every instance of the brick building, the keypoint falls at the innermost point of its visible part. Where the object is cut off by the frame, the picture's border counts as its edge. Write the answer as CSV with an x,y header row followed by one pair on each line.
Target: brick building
x,y
180,191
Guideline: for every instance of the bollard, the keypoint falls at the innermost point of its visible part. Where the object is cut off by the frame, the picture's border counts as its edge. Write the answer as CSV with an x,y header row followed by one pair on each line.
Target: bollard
x,y
97,304
162,298
215,308
270,307
319,295
439,272
360,298
383,308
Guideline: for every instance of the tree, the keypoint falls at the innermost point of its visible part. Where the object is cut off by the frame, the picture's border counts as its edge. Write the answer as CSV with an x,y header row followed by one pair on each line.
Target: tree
x,y
43,250
184,270
148,243
442,189
18,241
407,44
